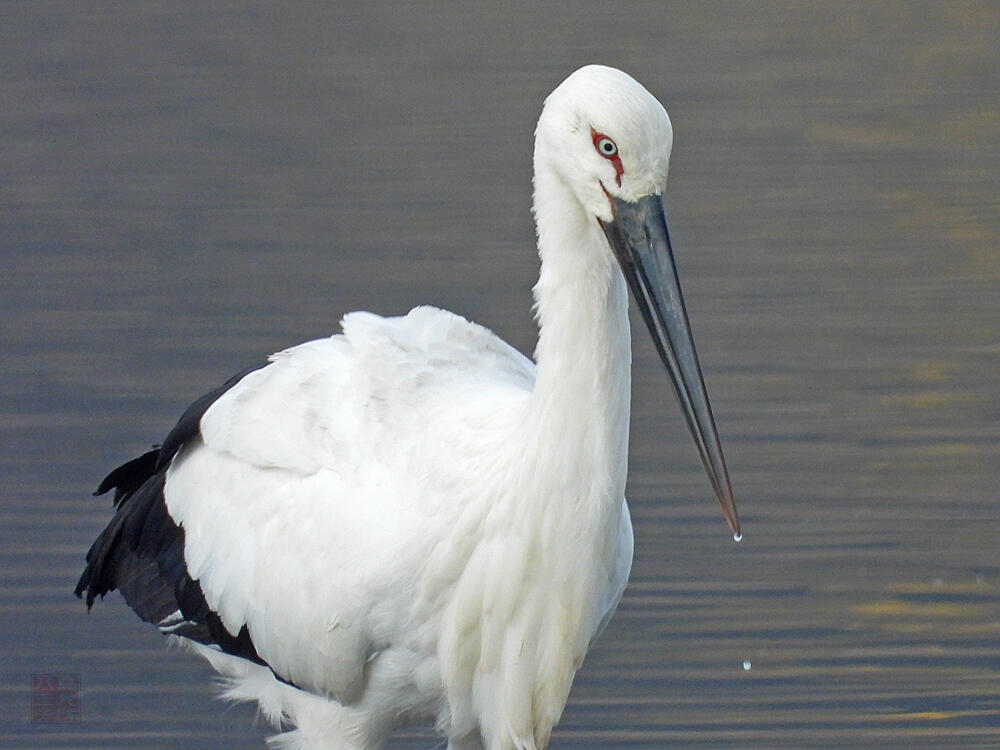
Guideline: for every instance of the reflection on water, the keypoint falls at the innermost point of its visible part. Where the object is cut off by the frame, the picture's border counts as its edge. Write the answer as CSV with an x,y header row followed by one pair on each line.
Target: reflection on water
x,y
186,188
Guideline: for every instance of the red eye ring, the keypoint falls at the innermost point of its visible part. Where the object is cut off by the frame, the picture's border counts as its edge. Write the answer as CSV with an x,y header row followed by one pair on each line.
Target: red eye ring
x,y
609,150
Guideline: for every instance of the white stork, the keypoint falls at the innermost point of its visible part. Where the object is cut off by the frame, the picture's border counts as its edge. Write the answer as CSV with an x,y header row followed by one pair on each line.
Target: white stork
x,y
411,521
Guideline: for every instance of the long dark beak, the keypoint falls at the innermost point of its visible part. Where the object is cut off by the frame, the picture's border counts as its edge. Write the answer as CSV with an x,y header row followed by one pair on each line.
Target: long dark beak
x,y
639,238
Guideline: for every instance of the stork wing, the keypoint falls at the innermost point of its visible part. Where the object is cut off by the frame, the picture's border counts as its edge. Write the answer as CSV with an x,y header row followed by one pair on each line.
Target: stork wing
x,y
277,515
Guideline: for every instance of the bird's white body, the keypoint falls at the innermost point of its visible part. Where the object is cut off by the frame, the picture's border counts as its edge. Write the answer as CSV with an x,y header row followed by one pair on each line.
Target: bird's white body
x,y
411,520
415,534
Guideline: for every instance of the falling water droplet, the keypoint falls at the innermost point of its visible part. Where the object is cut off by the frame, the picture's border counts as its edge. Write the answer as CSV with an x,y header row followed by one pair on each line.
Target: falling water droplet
x,y
737,538
746,665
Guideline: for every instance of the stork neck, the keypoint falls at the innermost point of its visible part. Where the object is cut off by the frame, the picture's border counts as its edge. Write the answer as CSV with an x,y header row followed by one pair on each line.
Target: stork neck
x,y
583,357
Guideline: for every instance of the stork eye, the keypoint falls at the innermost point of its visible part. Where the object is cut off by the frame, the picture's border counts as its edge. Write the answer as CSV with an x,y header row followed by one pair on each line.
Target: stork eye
x,y
609,150
606,146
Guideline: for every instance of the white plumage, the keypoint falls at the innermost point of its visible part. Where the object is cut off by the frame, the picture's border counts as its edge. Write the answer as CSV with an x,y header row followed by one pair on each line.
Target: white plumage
x,y
411,519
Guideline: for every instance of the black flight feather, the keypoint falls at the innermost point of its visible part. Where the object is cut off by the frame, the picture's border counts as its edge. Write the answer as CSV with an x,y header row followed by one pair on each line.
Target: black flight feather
x,y
141,551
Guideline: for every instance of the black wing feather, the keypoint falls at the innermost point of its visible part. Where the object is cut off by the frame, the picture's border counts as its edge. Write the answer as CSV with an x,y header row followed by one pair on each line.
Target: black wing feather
x,y
141,551
130,476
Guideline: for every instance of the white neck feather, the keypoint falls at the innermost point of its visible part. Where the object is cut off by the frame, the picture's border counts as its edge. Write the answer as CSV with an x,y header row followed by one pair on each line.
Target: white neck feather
x,y
580,406
554,524
562,543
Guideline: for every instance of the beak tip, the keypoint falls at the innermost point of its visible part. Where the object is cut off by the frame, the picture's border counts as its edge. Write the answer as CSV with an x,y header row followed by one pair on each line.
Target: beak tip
x,y
728,503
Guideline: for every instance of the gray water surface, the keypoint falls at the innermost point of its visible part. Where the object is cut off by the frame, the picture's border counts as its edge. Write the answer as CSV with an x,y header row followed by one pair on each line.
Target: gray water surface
x,y
188,186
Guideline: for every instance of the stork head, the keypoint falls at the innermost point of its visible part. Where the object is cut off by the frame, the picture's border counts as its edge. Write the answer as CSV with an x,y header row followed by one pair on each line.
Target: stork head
x,y
606,137
608,141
